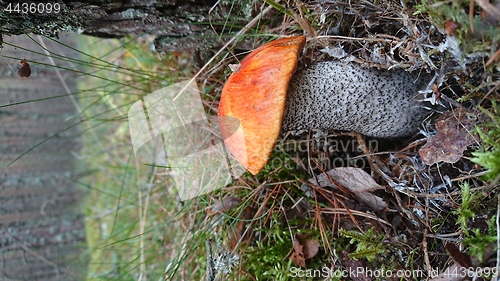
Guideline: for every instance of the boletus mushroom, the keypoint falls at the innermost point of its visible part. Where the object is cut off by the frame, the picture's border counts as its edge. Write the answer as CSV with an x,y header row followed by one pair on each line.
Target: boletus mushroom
x,y
265,96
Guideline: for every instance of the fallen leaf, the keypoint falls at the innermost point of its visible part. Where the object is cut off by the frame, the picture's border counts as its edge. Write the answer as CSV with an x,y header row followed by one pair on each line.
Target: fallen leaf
x,y
310,247
304,248
356,267
452,138
236,233
460,258
357,181
224,205
25,70
297,256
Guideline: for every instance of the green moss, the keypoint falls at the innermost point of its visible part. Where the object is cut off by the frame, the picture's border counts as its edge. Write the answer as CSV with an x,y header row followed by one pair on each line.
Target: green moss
x,y
269,258
478,241
489,155
368,245
467,209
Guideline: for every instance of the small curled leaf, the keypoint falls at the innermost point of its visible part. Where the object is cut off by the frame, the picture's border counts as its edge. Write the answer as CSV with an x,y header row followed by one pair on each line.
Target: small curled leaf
x,y
25,70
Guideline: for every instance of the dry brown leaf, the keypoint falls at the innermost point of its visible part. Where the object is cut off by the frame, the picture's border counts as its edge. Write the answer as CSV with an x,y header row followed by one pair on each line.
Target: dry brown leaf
x,y
355,266
235,235
224,205
452,138
298,255
310,247
460,258
25,70
304,248
357,181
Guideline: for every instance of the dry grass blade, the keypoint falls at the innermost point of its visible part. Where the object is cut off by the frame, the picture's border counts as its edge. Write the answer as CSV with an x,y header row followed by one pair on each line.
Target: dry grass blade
x,y
489,8
335,199
493,58
302,20
341,211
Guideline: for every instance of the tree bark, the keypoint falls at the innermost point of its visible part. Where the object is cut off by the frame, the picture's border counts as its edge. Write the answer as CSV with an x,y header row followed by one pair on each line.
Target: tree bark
x,y
177,25
42,235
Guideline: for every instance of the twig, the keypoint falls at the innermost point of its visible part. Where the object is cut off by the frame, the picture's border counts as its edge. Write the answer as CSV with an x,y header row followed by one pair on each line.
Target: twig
x,y
489,8
302,20
341,211
426,253
493,58
471,16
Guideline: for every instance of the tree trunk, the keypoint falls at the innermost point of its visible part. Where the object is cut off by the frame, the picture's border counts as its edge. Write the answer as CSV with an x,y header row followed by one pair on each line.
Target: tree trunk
x,y
177,25
42,235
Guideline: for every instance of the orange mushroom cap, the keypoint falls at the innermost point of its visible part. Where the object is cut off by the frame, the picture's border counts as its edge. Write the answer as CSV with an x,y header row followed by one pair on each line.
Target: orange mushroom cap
x,y
252,102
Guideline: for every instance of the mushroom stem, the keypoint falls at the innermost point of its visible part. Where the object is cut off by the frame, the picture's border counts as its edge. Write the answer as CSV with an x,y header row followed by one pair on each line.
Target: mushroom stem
x,y
343,96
